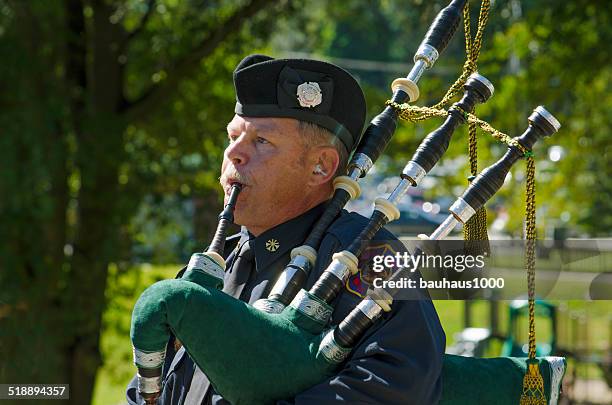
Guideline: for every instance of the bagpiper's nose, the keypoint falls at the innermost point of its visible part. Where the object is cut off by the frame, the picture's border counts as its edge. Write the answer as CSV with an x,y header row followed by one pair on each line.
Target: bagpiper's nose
x,y
237,151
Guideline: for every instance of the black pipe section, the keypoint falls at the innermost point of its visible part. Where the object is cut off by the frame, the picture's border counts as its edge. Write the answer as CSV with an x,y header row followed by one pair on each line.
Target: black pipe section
x,y
226,218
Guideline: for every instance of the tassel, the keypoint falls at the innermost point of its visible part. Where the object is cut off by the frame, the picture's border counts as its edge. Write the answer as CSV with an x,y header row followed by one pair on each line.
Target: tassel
x,y
533,386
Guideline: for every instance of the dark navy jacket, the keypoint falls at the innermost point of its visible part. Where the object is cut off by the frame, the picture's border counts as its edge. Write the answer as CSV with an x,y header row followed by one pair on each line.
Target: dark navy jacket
x,y
398,361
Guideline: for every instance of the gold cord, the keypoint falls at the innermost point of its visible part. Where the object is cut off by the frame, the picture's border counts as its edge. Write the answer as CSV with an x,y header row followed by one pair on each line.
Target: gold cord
x,y
476,228
530,237
533,383
415,113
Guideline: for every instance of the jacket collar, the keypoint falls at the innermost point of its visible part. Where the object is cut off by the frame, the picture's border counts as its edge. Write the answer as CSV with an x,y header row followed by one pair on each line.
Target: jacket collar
x,y
275,242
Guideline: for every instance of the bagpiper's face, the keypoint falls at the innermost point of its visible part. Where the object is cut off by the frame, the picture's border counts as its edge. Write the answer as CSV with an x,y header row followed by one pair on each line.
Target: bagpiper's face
x,y
268,157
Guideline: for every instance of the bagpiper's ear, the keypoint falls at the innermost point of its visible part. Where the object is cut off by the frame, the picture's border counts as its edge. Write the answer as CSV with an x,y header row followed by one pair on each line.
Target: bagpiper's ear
x,y
325,161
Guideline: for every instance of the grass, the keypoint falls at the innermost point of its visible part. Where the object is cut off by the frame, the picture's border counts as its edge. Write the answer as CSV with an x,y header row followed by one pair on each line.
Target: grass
x,y
574,260
592,321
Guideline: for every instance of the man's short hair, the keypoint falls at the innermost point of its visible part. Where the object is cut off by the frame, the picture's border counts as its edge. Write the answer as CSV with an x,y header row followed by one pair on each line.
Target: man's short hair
x,y
314,135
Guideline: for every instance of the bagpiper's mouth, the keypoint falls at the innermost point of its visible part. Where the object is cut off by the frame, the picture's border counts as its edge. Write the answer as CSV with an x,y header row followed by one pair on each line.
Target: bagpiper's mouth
x,y
230,183
232,177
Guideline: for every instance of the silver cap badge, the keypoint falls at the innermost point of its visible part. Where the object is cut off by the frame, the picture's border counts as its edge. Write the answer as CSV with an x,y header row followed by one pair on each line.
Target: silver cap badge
x,y
309,94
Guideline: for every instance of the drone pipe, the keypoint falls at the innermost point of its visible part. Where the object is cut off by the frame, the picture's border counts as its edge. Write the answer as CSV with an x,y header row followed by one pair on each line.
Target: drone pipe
x,y
541,124
372,143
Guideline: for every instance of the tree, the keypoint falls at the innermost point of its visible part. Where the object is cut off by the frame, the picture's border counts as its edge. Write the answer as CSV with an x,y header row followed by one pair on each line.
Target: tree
x,y
541,52
84,84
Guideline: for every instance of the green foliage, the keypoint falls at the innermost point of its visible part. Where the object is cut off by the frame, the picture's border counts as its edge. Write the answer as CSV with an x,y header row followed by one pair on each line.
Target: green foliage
x,y
110,128
124,288
103,104
535,53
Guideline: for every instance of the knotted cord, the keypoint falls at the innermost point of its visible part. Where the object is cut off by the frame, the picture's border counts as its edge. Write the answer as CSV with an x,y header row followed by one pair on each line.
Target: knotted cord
x,y
475,230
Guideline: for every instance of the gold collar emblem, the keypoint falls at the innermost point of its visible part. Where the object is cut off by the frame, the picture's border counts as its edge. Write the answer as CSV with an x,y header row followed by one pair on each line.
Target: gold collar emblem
x,y
272,245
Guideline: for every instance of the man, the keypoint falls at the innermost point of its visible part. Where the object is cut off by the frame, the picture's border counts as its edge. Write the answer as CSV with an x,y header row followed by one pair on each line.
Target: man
x,y
296,122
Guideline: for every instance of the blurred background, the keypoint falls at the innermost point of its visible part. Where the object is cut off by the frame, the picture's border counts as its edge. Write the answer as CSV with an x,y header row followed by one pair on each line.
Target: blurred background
x,y
112,130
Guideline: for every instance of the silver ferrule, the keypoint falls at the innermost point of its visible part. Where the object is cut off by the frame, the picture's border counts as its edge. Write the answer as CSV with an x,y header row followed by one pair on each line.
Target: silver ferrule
x,y
399,191
417,70
298,263
338,269
149,385
483,80
148,359
381,293
370,308
354,173
543,112
301,262
462,210
445,228
269,306
331,350
360,165
414,172
427,54
308,304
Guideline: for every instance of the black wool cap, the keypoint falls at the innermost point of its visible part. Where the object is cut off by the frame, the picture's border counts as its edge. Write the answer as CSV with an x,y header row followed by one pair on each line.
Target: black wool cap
x,y
304,89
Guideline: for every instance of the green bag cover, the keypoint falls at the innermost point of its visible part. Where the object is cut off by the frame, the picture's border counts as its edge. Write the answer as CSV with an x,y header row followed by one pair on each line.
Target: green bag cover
x,y
471,380
219,331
